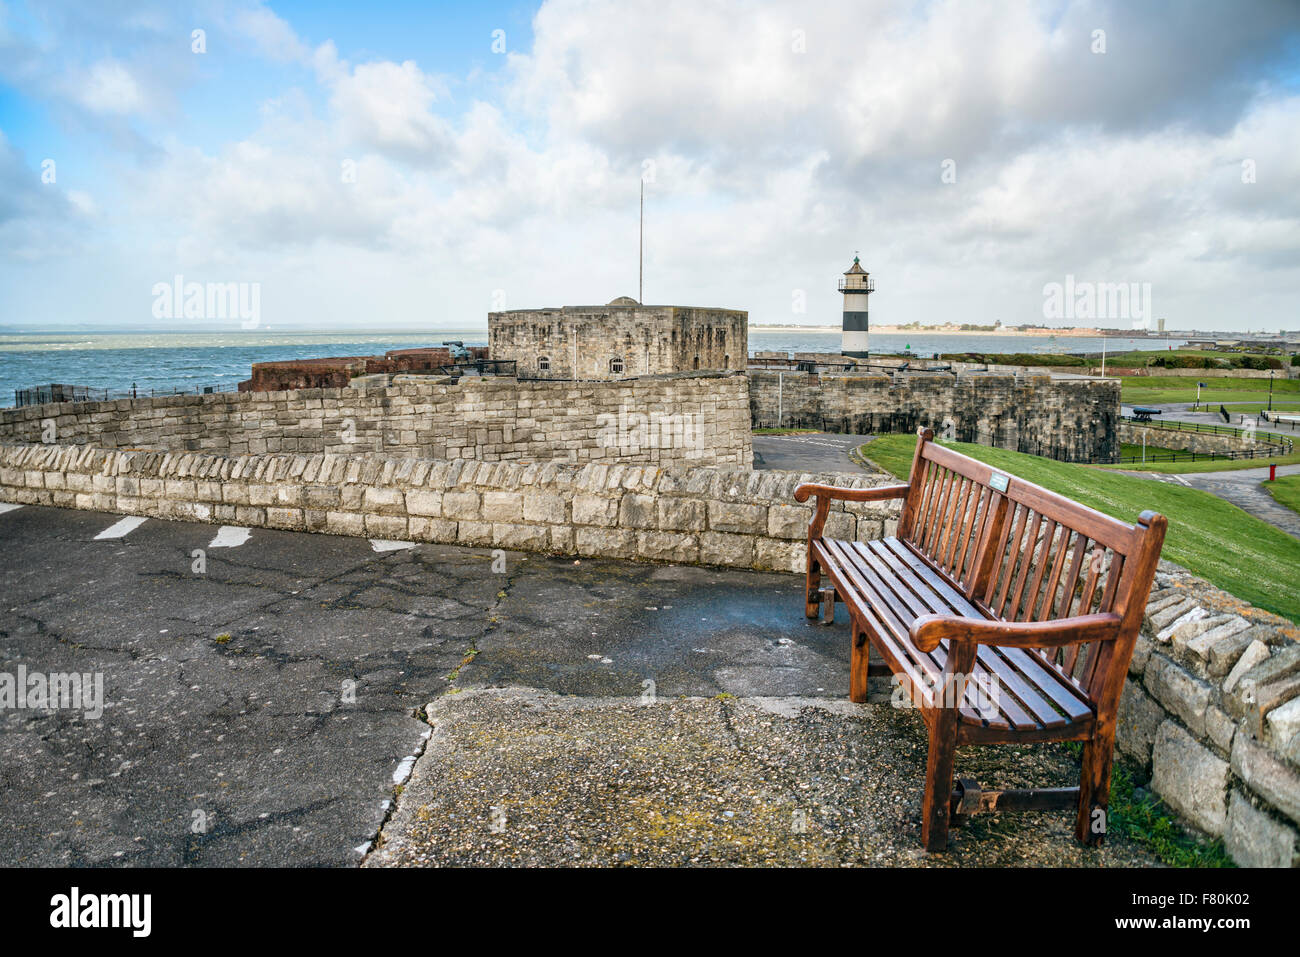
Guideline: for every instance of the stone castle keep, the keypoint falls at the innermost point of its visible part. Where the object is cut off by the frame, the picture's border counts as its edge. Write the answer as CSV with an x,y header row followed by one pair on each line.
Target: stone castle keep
x,y
619,340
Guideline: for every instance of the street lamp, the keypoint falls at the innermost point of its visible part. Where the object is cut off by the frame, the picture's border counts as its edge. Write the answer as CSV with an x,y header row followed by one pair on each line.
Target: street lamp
x,y
1270,390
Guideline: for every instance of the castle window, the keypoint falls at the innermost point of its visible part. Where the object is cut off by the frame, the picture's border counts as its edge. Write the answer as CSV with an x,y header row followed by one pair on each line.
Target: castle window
x,y
543,364
616,365
697,362
726,362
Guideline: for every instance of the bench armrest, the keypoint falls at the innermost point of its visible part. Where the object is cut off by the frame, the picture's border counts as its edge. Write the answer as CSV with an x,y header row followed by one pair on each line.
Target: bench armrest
x,y
928,630
877,494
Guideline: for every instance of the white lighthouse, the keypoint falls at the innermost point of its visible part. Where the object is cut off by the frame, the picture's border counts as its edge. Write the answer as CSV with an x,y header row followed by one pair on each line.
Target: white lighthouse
x,y
856,286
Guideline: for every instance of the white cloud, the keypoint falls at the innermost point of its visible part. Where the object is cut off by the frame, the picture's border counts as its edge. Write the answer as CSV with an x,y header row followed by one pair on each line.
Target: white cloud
x,y
387,106
110,88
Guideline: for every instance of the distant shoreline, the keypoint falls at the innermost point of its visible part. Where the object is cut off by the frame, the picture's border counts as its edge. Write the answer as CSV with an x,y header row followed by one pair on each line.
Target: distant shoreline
x,y
939,331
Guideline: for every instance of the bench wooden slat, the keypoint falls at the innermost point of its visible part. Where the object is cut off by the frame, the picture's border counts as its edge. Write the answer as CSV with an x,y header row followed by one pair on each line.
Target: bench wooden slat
x,y
889,614
1009,558
953,531
935,523
1012,611
1042,560
891,587
1051,597
970,536
1023,687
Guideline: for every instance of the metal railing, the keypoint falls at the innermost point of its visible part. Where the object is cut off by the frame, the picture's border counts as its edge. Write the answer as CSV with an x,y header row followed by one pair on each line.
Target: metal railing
x,y
1210,428
1264,451
44,394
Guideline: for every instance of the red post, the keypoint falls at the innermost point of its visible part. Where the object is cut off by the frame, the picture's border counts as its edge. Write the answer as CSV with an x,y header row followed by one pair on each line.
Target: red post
x,y
1272,471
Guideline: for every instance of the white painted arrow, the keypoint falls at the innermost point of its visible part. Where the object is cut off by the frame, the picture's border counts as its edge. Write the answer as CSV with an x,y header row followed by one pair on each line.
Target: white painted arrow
x,y
230,536
123,528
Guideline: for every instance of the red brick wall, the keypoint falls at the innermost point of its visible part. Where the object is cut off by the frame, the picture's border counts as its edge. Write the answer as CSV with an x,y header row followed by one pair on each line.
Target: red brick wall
x,y
335,372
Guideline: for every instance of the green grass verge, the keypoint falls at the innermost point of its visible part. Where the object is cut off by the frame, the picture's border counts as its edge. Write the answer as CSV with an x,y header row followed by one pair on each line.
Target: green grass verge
x,y
1129,448
1286,490
1210,537
1209,465
1153,390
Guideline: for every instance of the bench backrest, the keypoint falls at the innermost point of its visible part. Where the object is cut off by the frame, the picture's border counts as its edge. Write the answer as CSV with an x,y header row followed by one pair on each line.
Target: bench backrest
x,y
1019,552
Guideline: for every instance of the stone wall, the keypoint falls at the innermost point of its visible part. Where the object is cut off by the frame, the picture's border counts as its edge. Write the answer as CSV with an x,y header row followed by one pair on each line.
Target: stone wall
x,y
1286,372
1191,441
1074,420
1212,707
582,342
700,419
736,517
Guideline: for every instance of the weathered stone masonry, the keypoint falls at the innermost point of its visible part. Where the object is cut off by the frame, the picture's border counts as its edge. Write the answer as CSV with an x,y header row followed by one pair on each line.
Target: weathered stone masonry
x,y
1073,420
736,517
1212,706
620,339
698,419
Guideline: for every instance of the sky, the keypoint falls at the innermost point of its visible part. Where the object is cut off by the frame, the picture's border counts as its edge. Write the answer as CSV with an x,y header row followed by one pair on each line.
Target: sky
x,y
416,165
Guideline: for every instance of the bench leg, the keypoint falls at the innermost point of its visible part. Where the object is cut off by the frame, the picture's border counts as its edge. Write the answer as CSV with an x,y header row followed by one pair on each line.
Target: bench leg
x,y
937,807
859,661
828,607
811,586
1094,790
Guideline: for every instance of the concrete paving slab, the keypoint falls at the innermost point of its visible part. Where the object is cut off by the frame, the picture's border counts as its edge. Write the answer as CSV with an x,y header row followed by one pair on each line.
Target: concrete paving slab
x,y
517,776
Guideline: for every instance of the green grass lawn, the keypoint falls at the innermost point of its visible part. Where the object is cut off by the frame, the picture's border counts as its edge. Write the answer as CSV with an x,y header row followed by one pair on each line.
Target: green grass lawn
x,y
1286,490
1210,537
1208,465
1130,448
1153,390
1140,357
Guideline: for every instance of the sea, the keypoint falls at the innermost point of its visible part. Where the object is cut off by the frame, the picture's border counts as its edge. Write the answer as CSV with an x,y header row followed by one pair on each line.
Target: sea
x,y
162,362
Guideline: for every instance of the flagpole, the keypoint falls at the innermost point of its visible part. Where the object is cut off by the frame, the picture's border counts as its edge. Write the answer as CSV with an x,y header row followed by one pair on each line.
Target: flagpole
x,y
640,250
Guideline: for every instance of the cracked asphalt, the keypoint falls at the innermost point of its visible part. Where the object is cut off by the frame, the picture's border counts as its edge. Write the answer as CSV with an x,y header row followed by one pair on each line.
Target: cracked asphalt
x,y
808,452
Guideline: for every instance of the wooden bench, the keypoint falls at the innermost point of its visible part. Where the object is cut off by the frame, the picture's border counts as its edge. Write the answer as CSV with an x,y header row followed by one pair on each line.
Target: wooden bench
x,y
1007,613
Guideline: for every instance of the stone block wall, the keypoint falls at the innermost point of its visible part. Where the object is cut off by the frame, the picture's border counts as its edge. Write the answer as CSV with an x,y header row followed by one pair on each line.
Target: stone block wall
x,y
733,517
1073,420
1190,441
698,419
581,341
1212,708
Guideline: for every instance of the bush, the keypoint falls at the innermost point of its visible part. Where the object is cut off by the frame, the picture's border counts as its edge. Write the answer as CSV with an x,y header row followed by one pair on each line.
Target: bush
x,y
1016,358
1255,362
1187,362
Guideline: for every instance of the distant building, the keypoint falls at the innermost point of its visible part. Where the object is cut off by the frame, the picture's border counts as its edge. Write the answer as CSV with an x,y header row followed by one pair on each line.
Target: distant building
x,y
619,340
856,286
